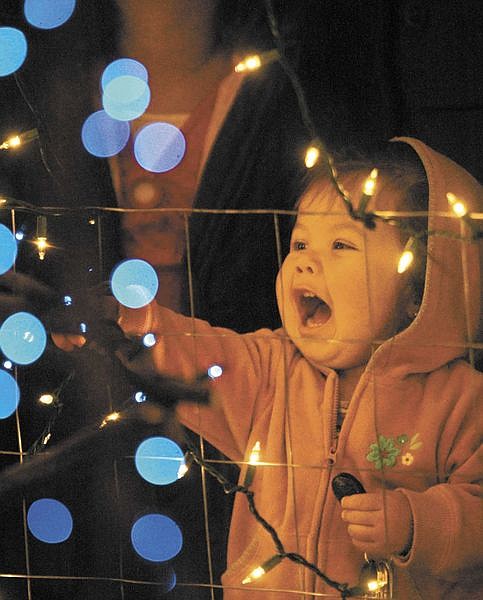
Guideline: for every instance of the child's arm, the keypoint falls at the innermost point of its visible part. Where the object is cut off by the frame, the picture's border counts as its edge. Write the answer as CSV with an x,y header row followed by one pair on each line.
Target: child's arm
x,y
186,348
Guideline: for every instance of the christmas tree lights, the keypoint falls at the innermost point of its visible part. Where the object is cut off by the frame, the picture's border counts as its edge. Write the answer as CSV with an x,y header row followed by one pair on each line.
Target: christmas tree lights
x,y
457,206
253,460
255,61
15,141
407,257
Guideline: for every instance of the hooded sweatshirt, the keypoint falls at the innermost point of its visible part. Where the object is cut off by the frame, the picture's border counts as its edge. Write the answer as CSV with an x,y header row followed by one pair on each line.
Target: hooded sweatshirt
x,y
413,425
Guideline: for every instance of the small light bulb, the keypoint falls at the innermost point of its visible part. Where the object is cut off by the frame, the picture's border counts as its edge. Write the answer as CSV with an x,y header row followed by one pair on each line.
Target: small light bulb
x,y
41,240
17,140
370,183
255,574
407,257
46,399
255,454
255,61
42,246
14,142
8,364
457,206
92,221
373,585
405,261
140,397
262,569
183,469
215,371
114,416
253,460
19,235
250,63
149,340
311,156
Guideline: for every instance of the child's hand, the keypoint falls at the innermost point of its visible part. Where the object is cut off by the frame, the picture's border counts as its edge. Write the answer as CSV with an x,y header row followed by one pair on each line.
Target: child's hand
x,y
379,524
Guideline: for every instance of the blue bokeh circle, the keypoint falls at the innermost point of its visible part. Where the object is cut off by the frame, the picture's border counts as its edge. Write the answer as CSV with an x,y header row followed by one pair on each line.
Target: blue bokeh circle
x,y
49,520
159,147
104,136
22,338
134,283
9,395
48,14
13,50
126,98
121,67
8,249
158,460
156,537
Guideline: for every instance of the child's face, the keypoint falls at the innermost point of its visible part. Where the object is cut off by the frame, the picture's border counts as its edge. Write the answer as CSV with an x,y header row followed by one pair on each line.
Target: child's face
x,y
338,290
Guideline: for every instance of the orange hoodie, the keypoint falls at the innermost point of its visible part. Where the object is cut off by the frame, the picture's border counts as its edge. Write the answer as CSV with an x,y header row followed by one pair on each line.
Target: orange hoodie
x,y
413,425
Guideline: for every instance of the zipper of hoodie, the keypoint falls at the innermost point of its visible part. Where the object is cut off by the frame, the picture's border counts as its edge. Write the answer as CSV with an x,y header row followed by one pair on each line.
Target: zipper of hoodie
x,y
333,424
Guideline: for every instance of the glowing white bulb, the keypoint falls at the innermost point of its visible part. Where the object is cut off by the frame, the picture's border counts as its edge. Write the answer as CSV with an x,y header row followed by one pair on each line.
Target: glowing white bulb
x,y
255,61
311,156
8,364
405,261
112,417
262,569
373,585
149,340
250,63
255,574
46,399
407,257
19,235
17,140
457,206
183,469
215,371
255,454
370,183
140,397
13,142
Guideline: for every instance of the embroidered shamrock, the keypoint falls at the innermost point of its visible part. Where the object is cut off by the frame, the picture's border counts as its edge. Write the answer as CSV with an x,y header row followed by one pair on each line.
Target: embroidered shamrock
x,y
385,451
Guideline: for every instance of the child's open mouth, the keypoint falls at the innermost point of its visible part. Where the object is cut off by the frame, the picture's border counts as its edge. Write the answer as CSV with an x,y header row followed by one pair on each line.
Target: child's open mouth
x,y
314,311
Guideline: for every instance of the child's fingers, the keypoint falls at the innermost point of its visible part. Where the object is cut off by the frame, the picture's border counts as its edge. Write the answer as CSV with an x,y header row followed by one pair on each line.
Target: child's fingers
x,y
361,533
359,517
367,502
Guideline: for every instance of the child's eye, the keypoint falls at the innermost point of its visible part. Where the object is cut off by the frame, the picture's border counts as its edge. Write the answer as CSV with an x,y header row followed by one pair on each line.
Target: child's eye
x,y
341,245
299,245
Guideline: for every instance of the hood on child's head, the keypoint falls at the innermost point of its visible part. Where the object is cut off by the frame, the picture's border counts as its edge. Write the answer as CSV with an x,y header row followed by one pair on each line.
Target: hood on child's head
x,y
448,321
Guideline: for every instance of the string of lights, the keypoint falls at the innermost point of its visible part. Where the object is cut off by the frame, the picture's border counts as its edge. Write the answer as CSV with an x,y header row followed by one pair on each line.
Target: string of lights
x,y
280,552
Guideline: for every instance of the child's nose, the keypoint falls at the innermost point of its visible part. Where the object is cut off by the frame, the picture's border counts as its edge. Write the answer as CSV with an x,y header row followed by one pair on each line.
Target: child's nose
x,y
307,265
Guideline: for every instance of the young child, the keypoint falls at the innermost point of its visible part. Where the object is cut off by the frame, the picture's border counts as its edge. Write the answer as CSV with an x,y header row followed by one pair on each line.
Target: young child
x,y
367,377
